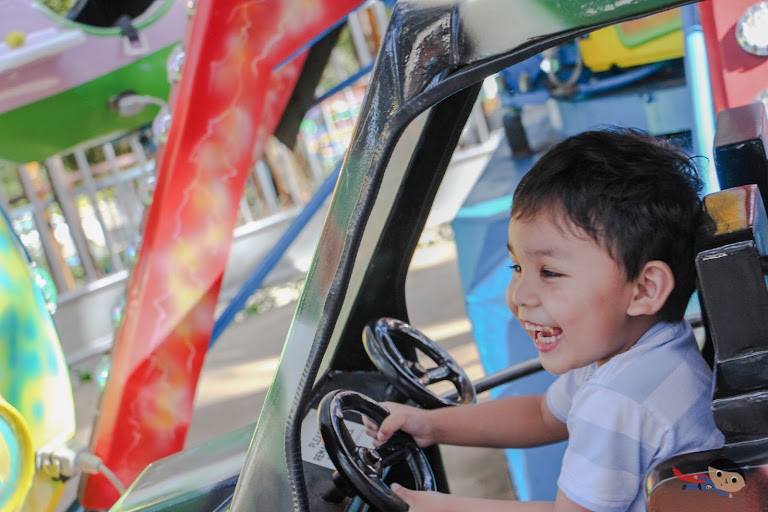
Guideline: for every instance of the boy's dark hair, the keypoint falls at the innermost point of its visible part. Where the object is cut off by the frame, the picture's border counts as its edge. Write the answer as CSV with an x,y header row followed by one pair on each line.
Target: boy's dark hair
x,y
634,194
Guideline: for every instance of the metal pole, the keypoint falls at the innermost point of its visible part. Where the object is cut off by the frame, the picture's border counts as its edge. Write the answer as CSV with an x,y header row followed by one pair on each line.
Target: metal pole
x,y
358,39
90,185
144,190
126,196
43,231
267,186
314,164
290,175
382,18
697,76
62,191
245,210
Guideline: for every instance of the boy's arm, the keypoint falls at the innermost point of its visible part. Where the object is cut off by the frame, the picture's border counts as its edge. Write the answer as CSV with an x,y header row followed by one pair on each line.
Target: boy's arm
x,y
420,501
511,422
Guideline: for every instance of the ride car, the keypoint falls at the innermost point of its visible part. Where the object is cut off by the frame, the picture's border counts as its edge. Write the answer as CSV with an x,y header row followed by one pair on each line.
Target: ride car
x,y
350,346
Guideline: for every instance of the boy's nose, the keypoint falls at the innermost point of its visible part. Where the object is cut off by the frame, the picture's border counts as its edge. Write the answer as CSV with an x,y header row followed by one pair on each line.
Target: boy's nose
x,y
521,293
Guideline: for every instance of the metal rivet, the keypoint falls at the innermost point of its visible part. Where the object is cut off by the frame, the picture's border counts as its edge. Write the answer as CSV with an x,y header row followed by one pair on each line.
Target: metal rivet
x,y
175,63
161,125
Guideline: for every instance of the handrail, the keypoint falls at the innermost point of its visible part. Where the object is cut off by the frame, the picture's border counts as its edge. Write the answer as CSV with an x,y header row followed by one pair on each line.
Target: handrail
x,y
503,376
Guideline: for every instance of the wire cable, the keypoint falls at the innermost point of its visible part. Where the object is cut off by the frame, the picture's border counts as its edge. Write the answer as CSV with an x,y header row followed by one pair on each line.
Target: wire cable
x,y
90,463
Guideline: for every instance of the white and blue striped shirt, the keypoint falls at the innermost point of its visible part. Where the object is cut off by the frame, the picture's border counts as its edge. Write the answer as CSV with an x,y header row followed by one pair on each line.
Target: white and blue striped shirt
x,y
641,407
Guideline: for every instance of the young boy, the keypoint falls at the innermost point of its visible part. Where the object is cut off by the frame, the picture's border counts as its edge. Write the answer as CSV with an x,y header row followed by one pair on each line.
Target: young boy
x,y
601,240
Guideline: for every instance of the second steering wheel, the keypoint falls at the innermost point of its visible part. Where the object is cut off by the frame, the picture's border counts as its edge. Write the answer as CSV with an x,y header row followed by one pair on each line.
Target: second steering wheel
x,y
409,376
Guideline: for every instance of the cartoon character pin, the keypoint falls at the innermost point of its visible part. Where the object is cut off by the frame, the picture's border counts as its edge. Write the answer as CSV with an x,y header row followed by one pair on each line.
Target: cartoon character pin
x,y
724,482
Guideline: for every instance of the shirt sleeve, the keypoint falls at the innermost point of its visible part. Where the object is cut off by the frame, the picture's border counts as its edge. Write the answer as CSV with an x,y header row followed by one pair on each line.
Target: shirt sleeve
x,y
612,441
560,393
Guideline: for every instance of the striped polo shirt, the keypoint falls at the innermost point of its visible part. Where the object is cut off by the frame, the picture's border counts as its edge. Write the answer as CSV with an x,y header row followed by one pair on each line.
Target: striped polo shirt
x,y
641,407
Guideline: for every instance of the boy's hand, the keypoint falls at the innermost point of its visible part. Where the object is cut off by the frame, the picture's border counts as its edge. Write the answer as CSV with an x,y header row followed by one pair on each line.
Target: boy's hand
x,y
401,417
424,501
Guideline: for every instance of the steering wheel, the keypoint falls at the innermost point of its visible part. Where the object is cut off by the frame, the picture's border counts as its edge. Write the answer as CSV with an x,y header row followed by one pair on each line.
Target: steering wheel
x,y
363,467
408,376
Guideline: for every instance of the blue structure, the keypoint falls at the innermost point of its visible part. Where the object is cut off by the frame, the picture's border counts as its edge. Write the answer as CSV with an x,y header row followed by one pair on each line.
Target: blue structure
x,y
480,229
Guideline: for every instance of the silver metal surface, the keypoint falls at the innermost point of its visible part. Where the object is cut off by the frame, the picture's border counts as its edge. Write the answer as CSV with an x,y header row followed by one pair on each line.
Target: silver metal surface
x,y
62,191
752,30
91,190
47,242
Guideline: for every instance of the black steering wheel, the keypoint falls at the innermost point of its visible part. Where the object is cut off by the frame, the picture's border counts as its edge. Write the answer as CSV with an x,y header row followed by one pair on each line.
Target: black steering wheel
x,y
408,376
362,468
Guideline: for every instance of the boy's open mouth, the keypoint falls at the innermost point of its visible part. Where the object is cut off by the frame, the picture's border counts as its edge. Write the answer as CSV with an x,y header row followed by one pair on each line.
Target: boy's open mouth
x,y
544,337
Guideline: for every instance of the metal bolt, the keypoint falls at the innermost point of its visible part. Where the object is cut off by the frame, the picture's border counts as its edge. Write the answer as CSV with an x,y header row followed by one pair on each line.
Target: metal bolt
x,y
161,126
371,458
175,63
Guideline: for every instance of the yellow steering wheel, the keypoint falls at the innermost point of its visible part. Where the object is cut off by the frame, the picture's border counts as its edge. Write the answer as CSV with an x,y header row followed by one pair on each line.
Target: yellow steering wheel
x,y
17,458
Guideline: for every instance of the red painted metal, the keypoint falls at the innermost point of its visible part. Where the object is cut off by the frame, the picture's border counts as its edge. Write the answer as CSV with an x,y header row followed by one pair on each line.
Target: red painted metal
x,y
227,104
736,75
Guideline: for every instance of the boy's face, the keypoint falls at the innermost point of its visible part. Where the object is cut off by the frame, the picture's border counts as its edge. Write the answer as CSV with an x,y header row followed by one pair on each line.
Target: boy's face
x,y
568,293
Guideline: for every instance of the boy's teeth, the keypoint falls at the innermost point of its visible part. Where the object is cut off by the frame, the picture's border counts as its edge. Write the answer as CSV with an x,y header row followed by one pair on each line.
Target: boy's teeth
x,y
546,339
544,334
540,328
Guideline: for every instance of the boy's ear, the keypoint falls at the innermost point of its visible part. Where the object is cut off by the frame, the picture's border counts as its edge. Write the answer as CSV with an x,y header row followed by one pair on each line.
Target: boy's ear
x,y
652,288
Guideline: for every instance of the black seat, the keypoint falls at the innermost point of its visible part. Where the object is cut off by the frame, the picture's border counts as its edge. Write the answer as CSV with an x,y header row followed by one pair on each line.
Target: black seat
x,y
731,265
733,292
734,298
741,147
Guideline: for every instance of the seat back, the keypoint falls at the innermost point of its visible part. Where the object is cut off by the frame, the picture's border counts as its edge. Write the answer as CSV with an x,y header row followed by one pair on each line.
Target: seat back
x,y
735,286
734,296
741,147
731,263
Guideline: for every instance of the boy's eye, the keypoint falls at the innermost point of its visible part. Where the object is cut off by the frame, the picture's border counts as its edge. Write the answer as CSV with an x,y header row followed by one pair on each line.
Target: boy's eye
x,y
515,268
549,273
